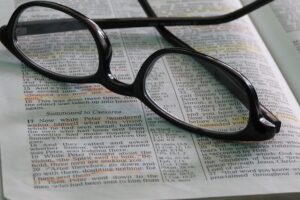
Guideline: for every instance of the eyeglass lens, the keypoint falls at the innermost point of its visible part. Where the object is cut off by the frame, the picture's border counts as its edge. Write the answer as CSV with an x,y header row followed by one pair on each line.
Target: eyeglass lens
x,y
56,42
199,98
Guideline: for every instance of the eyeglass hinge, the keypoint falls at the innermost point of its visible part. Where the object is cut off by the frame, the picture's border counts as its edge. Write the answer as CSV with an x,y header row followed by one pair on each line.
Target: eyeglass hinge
x,y
1,33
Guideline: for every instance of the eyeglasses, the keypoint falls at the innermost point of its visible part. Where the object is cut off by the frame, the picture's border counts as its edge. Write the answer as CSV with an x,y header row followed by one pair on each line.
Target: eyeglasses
x,y
191,90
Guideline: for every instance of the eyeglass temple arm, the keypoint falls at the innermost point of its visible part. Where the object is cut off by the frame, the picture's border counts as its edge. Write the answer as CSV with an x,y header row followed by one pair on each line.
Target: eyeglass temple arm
x,y
61,25
179,21
233,86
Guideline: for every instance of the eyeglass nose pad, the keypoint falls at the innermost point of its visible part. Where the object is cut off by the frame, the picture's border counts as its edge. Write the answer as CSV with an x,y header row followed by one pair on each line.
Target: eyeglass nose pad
x,y
269,121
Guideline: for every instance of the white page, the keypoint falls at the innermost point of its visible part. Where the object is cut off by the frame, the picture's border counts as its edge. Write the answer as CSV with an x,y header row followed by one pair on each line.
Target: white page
x,y
6,9
208,172
279,25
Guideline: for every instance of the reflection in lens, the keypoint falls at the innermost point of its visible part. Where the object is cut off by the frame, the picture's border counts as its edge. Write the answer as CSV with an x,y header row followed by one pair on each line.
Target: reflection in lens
x,y
56,42
182,87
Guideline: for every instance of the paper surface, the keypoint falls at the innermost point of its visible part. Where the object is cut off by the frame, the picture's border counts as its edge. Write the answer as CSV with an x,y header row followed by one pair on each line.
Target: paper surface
x,y
6,9
133,153
279,25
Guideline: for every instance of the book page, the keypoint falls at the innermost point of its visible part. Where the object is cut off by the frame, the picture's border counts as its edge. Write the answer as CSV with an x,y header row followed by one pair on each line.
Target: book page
x,y
6,8
71,141
279,26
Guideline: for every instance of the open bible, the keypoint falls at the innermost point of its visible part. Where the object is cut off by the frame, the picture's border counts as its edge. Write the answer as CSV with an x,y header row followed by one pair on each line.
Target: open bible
x,y
70,141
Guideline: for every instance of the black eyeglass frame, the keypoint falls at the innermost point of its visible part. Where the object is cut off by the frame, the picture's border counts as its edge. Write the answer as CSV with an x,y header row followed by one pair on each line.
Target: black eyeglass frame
x,y
262,123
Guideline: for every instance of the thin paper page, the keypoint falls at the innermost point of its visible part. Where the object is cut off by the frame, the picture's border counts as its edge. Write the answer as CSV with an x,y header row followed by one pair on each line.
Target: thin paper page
x,y
71,141
6,8
279,25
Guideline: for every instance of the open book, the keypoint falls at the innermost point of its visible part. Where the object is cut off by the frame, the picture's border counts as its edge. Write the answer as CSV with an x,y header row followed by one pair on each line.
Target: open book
x,y
69,141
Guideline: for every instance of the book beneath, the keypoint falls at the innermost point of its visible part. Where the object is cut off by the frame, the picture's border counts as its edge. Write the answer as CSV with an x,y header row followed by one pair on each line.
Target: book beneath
x,y
70,141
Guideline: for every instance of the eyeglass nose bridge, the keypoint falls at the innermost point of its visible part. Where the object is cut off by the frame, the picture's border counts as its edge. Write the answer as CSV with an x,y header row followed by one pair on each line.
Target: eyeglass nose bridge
x,y
116,86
